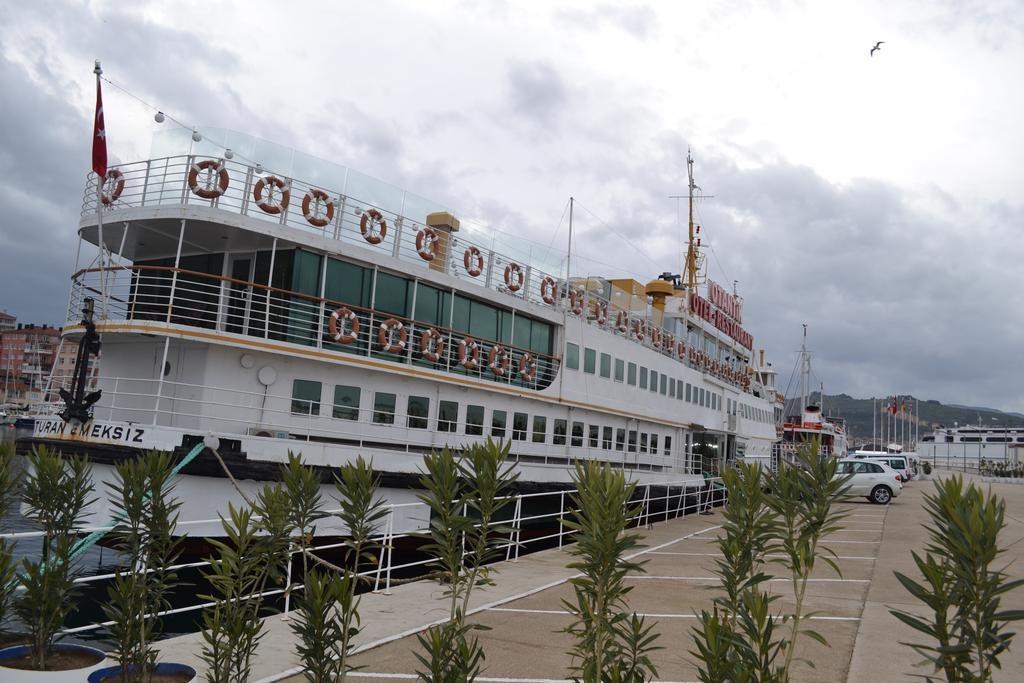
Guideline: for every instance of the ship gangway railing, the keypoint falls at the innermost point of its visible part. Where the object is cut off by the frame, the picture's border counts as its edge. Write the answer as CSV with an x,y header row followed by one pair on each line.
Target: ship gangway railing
x,y
165,182
678,500
234,413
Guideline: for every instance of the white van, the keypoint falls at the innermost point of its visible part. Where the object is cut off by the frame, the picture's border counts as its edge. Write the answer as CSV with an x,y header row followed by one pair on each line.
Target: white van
x,y
900,463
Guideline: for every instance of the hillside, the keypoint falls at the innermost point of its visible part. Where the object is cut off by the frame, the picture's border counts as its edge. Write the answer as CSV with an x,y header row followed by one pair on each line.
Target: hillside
x,y
859,412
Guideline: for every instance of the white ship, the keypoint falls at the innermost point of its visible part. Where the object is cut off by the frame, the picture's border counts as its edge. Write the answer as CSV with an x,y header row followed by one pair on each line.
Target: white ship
x,y
968,445
810,425
301,306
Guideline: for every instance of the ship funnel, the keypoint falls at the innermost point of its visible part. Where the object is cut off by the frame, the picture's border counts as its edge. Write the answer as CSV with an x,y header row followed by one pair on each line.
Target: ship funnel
x,y
444,224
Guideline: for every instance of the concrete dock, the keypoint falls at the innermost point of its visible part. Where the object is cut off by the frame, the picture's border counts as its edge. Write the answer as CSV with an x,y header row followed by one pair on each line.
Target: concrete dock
x,y
525,613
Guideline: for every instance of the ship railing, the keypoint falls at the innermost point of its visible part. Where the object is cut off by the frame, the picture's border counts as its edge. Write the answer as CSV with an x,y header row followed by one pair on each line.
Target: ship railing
x,y
653,503
184,297
164,181
378,423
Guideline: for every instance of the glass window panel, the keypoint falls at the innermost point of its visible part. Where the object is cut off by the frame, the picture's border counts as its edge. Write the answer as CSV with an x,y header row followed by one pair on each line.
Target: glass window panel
x,y
620,369
348,283
589,361
346,402
620,439
447,416
432,305
672,387
631,374
498,418
460,316
606,438
306,397
643,442
540,427
654,444
475,420
632,441
392,294
643,378
689,389
540,337
558,438
572,356
521,332
418,411
384,408
577,434
663,385
594,436
483,320
668,445
519,421
606,365
654,380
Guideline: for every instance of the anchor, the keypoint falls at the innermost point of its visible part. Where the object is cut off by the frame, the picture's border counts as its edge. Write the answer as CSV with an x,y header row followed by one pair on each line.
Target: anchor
x,y
78,404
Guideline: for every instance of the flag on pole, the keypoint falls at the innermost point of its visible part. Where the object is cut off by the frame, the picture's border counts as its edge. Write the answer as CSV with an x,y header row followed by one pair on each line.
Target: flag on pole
x,y
894,406
99,134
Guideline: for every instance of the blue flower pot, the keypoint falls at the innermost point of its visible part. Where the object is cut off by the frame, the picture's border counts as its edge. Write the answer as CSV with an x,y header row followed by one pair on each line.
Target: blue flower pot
x,y
163,668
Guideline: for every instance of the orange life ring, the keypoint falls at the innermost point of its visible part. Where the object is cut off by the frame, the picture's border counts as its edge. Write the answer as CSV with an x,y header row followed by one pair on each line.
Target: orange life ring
x,y
600,312
527,367
427,244
208,192
655,336
622,322
311,208
373,226
469,354
681,349
336,325
514,277
268,184
575,300
385,339
548,290
117,177
473,255
638,330
431,345
670,343
497,360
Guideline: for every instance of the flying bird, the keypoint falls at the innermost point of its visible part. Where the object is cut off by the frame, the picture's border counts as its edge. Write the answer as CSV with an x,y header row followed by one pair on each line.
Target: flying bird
x,y
878,46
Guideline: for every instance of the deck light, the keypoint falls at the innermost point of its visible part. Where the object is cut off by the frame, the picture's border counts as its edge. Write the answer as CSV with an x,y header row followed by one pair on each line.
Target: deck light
x,y
228,154
159,117
196,137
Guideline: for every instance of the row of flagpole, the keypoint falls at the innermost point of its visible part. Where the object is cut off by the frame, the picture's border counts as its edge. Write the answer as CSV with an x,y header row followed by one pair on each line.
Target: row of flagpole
x,y
900,423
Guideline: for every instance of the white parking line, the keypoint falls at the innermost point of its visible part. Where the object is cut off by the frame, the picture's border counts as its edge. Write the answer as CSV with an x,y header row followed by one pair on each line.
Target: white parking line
x,y
652,615
840,557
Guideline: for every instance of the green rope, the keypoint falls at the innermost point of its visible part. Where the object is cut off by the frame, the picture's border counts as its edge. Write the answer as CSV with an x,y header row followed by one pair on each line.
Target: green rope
x,y
84,544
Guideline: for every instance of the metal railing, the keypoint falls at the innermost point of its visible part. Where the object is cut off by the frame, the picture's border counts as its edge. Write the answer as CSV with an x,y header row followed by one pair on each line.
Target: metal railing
x,y
660,502
166,181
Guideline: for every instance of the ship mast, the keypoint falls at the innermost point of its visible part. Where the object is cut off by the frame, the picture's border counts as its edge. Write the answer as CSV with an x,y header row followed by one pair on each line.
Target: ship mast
x,y
691,251
805,373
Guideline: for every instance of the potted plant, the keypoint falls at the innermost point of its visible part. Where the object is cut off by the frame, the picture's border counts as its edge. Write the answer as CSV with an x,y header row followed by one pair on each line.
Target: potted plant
x,y
8,567
145,516
926,467
56,493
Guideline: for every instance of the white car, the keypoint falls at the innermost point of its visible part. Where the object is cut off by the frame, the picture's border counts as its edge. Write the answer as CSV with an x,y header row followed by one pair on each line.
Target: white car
x,y
876,481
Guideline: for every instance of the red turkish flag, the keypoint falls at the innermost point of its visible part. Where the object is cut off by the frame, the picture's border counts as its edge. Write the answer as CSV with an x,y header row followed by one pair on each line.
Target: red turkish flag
x,y
99,137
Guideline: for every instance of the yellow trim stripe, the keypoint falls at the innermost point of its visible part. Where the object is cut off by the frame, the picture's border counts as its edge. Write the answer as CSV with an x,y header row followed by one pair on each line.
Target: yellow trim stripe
x,y
357,360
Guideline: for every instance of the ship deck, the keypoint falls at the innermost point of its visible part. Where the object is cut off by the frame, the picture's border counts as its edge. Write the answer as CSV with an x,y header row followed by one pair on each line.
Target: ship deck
x,y
525,613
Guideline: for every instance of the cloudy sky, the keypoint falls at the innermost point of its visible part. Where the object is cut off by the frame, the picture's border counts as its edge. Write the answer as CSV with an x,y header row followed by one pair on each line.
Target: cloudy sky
x,y
877,199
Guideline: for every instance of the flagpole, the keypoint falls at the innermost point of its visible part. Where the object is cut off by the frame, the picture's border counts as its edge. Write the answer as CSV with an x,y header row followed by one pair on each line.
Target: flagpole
x,y
99,210
874,420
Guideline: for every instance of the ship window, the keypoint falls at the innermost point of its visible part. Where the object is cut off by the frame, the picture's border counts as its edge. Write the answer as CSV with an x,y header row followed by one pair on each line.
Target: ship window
x,y
631,374
620,439
606,438
475,420
540,337
672,387
447,416
654,381
679,389
689,388
460,314
632,441
306,397
572,356
998,439
347,283
606,365
643,378
577,434
346,402
701,397
432,305
594,436
384,408
589,361
663,386
1020,439
668,445
498,418
540,428
559,436
970,439
483,320
643,442
620,369
519,421
654,444
418,410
